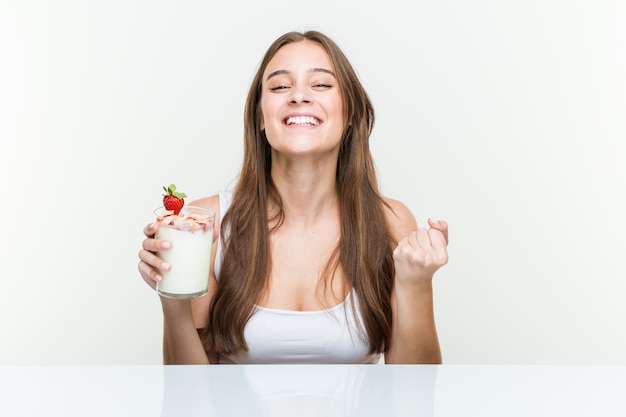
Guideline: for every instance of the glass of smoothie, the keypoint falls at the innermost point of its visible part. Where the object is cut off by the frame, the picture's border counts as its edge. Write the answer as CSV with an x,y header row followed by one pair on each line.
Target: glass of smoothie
x,y
191,234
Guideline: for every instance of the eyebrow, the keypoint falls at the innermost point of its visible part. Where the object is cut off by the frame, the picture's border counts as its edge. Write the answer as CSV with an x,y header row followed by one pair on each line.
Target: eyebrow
x,y
284,72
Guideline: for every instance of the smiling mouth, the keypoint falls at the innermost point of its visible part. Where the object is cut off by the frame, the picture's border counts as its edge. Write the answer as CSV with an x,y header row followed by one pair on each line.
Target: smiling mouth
x,y
302,121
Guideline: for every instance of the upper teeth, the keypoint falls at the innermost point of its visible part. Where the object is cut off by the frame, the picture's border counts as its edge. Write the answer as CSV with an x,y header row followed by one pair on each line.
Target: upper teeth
x,y
302,120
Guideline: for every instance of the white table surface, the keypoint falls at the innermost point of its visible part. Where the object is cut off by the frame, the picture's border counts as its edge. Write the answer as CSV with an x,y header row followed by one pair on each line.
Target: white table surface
x,y
313,390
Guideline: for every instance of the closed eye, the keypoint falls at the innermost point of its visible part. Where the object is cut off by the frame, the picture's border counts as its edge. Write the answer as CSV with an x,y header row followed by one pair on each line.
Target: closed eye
x,y
278,87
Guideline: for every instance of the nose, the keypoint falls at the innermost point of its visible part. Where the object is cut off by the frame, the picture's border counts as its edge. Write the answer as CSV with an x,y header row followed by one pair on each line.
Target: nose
x,y
300,95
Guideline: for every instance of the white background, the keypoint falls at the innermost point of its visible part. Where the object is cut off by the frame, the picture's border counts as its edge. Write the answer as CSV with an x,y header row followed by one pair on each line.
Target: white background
x,y
506,118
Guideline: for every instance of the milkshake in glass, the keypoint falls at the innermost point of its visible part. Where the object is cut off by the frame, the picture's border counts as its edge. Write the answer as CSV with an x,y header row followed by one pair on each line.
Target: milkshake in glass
x,y
191,234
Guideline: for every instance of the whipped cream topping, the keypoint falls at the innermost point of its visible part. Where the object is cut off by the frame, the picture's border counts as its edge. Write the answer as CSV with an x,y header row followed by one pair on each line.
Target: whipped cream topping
x,y
184,221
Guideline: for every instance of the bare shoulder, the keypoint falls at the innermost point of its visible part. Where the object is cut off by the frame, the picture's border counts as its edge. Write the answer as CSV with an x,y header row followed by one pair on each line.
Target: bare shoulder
x,y
400,219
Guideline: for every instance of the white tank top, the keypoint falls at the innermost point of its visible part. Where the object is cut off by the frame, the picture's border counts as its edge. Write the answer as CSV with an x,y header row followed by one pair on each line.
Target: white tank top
x,y
285,336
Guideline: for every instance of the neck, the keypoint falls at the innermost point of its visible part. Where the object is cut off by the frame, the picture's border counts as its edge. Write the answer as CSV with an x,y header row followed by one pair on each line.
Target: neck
x,y
307,187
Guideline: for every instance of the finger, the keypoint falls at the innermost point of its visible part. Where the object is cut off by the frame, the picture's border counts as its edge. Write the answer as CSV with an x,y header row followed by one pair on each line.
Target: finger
x,y
406,247
153,261
441,226
439,245
156,245
411,240
149,275
423,239
150,229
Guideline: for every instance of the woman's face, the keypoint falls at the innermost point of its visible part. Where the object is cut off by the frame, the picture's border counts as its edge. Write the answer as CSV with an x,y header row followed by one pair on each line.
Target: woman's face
x,y
301,105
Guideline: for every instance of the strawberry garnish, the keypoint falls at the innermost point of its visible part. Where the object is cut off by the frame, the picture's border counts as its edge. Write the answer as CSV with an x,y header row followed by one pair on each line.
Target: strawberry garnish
x,y
173,200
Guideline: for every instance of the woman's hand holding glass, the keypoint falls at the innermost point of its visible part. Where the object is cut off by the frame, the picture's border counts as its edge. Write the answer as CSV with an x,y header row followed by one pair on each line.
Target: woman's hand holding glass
x,y
150,264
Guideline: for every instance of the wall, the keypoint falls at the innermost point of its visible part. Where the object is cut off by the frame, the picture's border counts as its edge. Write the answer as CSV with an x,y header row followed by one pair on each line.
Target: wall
x,y
506,118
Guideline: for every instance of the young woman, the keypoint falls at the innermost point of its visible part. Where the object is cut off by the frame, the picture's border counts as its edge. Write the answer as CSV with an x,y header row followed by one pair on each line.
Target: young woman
x,y
312,265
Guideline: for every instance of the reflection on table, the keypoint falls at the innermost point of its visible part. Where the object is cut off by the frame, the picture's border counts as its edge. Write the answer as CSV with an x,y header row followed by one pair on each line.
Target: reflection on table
x,y
313,390
300,390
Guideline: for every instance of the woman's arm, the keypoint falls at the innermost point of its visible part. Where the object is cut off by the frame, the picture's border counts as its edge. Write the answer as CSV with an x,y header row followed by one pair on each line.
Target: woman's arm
x,y
419,254
181,318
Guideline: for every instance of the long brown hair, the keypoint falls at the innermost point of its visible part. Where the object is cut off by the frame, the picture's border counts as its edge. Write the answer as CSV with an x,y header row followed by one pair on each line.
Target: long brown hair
x,y
364,251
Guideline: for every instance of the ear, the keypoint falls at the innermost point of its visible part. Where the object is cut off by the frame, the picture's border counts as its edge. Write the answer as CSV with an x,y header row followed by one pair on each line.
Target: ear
x,y
262,124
